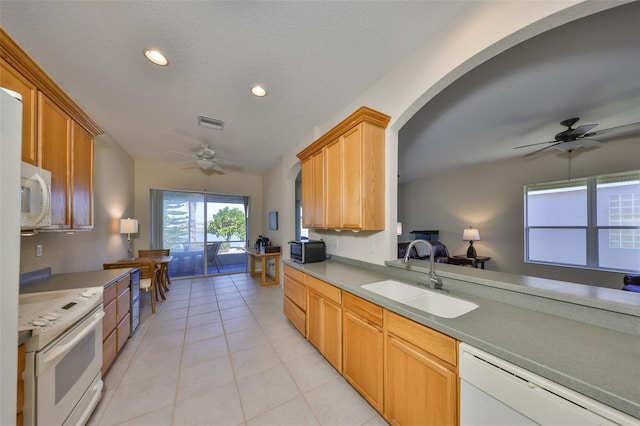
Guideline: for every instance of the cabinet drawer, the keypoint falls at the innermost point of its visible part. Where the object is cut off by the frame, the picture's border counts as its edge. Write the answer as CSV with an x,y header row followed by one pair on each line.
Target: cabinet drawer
x,y
325,289
296,292
294,274
124,304
109,294
434,342
109,351
296,315
123,331
123,283
367,310
110,319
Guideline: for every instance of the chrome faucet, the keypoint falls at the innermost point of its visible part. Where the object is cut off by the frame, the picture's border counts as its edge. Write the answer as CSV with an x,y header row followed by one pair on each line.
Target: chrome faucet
x,y
434,280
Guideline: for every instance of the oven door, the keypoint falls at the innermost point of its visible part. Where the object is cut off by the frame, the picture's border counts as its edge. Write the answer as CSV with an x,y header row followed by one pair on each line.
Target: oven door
x,y
66,372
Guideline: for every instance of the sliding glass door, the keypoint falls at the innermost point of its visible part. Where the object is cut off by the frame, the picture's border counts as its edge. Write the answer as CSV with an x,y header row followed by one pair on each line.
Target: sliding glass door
x,y
205,232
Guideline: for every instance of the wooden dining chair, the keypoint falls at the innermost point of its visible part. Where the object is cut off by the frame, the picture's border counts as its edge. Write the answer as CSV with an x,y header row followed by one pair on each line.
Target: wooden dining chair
x,y
148,277
151,253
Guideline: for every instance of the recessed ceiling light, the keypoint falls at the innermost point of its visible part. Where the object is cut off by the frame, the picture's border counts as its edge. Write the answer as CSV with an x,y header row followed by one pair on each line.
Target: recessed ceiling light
x,y
156,57
258,91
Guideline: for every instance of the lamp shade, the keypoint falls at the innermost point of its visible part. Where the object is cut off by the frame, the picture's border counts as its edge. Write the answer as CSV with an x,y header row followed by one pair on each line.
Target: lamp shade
x,y
470,234
128,226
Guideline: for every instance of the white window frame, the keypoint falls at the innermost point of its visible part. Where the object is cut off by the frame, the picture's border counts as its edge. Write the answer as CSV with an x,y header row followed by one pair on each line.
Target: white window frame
x,y
591,228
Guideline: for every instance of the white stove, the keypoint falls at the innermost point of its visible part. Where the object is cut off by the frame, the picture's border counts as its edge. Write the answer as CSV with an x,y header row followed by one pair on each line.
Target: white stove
x,y
49,314
63,357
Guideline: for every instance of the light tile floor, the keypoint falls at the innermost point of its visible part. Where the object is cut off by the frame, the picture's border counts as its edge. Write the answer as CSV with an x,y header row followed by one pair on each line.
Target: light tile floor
x,y
219,351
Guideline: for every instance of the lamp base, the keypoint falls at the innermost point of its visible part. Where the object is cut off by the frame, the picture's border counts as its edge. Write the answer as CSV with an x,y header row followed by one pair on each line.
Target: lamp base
x,y
471,251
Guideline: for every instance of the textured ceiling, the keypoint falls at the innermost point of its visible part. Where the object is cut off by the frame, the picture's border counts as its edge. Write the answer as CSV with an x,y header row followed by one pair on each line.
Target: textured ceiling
x,y
313,58
589,68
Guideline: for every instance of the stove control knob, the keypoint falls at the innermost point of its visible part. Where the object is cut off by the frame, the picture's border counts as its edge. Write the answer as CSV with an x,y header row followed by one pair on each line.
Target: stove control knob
x,y
50,317
40,322
88,293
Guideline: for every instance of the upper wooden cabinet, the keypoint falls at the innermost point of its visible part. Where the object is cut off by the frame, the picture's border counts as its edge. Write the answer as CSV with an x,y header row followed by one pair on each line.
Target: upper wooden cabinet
x,y
346,167
54,141
81,178
56,135
13,80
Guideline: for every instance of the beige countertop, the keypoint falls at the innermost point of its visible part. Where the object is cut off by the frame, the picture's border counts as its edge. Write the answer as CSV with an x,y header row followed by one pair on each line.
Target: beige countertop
x,y
597,361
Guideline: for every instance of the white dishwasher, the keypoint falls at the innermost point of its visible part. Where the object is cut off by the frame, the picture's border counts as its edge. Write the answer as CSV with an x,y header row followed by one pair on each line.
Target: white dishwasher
x,y
494,392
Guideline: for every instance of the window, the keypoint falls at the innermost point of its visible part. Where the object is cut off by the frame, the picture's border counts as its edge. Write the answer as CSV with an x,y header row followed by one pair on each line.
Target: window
x,y
592,222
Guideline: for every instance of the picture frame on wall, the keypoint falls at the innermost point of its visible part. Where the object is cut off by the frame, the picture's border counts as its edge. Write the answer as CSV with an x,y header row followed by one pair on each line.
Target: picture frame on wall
x,y
273,221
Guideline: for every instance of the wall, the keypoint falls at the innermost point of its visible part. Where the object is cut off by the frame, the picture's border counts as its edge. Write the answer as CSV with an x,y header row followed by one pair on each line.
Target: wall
x,y
113,199
482,31
490,197
149,174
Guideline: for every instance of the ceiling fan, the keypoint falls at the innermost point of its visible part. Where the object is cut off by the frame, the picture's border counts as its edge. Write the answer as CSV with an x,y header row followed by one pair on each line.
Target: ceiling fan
x,y
204,158
580,137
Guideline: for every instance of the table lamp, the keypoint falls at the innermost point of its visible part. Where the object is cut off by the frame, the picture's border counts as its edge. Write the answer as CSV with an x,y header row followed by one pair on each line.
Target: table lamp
x,y
471,234
129,226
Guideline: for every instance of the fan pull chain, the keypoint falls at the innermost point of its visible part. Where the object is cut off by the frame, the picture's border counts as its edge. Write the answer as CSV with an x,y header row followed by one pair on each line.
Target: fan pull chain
x,y
569,164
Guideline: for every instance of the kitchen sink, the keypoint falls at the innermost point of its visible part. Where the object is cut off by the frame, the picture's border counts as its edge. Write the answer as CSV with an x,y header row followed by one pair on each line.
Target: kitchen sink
x,y
429,301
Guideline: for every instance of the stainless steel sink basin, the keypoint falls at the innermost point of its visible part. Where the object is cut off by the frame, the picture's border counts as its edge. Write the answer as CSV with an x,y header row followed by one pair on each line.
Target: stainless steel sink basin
x,y
426,300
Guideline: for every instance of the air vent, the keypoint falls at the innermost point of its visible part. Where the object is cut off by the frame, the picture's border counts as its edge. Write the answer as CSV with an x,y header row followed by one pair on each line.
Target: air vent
x,y
210,123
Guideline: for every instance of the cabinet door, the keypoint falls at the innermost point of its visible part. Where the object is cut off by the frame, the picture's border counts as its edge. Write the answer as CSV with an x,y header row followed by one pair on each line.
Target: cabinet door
x,y
363,358
419,388
314,319
352,179
333,168
307,192
109,350
81,179
318,189
54,136
13,80
324,327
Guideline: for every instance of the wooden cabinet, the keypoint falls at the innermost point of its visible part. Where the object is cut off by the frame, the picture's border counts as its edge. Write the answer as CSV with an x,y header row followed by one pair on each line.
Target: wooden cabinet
x,y
363,348
56,135
324,319
347,169
421,380
81,178
20,386
13,80
116,324
405,370
295,298
54,141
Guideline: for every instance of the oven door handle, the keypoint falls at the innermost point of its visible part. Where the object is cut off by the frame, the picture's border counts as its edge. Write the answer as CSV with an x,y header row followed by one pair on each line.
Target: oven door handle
x,y
63,349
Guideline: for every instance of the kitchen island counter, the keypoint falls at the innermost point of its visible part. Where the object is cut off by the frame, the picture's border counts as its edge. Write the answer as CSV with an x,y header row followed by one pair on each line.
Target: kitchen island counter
x,y
566,337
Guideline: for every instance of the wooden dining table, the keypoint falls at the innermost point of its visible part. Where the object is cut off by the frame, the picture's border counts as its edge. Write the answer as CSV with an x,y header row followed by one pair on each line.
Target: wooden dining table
x,y
162,275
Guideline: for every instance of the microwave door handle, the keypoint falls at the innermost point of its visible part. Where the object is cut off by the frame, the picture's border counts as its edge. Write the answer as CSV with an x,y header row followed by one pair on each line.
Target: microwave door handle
x,y
61,350
45,197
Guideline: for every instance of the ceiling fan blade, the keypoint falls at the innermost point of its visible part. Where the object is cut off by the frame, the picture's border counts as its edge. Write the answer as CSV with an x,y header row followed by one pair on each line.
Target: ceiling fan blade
x,y
533,144
542,149
580,130
626,130
181,153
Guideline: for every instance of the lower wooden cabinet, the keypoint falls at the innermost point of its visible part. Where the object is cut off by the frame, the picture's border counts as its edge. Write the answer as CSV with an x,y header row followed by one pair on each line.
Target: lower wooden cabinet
x,y
363,348
116,324
407,372
324,320
20,387
420,387
295,298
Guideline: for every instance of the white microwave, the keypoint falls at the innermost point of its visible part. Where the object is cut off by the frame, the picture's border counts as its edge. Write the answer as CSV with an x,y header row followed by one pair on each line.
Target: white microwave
x,y
35,197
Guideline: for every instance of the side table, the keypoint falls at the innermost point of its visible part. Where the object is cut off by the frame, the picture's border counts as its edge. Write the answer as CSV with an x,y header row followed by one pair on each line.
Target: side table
x,y
479,259
263,259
